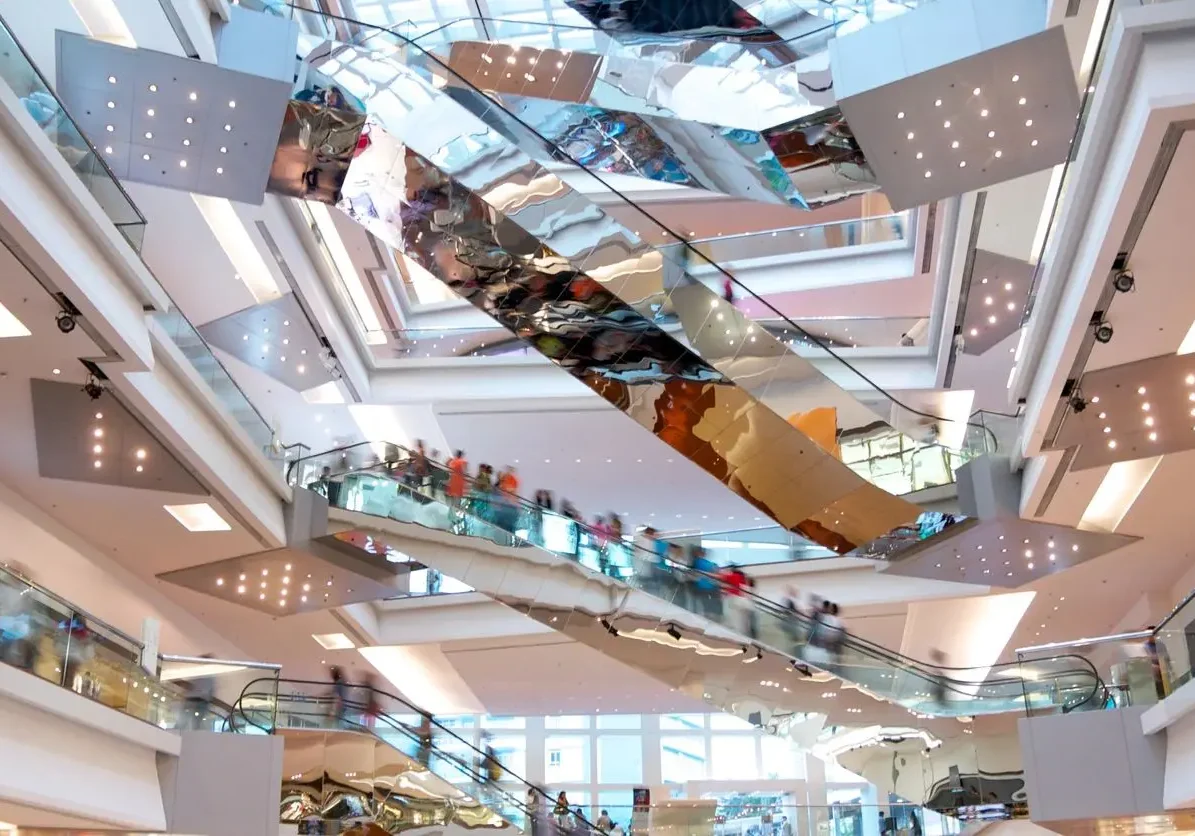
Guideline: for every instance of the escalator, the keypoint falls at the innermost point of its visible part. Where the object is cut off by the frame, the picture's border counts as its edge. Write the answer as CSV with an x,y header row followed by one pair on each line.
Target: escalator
x,y
632,604
382,760
469,205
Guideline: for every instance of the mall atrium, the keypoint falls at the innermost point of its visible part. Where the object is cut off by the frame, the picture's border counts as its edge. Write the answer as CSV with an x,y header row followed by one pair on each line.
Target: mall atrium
x,y
597,417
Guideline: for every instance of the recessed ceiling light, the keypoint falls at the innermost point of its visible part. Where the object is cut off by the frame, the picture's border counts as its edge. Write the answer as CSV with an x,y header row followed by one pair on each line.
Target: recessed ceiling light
x,y
1012,306
223,149
962,163
946,124
198,516
909,135
149,135
145,156
919,156
302,369
999,154
928,174
109,128
1153,436
1015,79
140,468
111,79
111,105
56,371
1008,285
974,332
992,320
1112,444
99,416
954,144
1034,143
219,170
190,121
153,88
98,432
193,96
991,134
182,163
107,149
149,112
187,143
984,112
228,127
937,103
232,103
97,449
140,454
1028,123
900,115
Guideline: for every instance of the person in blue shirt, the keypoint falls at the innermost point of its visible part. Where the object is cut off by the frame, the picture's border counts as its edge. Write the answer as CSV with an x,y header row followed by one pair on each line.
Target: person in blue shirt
x,y
705,584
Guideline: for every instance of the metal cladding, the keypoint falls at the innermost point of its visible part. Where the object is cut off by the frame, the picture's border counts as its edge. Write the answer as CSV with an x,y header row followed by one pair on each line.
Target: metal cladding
x,y
360,781
550,266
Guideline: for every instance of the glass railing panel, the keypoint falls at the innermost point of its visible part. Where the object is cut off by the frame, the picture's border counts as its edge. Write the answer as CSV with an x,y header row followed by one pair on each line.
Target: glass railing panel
x,y
210,687
218,379
47,637
30,86
398,489
1173,640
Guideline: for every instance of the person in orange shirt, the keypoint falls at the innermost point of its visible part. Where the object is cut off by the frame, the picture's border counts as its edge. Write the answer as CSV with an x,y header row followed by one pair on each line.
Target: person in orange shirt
x,y
508,499
458,470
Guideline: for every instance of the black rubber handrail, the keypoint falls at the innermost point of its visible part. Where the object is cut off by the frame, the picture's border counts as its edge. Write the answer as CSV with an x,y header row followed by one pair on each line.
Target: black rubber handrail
x,y
938,676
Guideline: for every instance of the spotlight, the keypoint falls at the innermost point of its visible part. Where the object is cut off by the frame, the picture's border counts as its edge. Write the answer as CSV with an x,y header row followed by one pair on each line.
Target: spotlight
x,y
93,388
1123,281
65,321
610,628
672,631
1078,404
1103,331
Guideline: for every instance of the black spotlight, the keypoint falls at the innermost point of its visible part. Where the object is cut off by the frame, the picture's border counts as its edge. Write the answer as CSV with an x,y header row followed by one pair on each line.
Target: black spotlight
x,y
610,628
1103,332
672,631
93,387
65,321
1124,281
1078,404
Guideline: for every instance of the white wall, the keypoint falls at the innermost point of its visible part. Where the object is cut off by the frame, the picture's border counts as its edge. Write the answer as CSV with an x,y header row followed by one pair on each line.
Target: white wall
x,y
68,755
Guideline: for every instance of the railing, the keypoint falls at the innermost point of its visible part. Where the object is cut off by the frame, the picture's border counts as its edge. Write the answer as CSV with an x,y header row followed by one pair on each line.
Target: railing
x,y
398,487
21,74
52,639
1173,641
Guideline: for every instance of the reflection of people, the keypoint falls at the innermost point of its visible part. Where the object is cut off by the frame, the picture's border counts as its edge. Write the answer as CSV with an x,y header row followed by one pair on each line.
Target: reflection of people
x,y
335,99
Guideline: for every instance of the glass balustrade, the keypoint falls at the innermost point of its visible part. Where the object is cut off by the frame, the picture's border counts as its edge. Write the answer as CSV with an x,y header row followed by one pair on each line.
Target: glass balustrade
x,y
382,480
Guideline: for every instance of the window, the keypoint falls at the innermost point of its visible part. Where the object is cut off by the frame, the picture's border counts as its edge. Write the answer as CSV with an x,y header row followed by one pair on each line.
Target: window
x,y
728,722
619,721
620,759
732,757
682,758
682,722
618,804
503,722
780,759
511,751
567,759
567,721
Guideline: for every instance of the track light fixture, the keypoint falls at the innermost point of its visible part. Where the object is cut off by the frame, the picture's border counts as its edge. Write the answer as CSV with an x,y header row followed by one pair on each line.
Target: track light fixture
x,y
1078,403
610,628
1124,281
65,321
1103,331
93,387
672,631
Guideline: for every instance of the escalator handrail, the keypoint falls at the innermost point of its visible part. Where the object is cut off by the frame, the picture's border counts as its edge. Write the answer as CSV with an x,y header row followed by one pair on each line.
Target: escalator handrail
x,y
935,674
433,724
493,101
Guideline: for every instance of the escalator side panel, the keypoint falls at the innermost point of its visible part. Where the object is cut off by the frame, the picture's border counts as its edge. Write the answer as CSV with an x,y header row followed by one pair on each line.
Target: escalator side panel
x,y
492,260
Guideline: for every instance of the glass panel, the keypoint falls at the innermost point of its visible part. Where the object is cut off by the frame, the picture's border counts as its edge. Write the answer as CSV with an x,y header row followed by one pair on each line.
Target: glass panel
x,y
568,721
670,722
780,759
733,757
566,759
682,759
503,722
728,722
620,759
511,751
619,721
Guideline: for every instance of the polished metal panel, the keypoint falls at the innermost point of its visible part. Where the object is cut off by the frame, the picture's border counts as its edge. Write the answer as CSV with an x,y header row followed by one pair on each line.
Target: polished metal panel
x,y
73,432
360,781
550,266
315,146
1134,411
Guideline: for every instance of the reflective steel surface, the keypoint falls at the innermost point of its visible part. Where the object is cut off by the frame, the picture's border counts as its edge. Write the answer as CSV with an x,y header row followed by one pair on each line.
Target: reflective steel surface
x,y
359,780
550,266
315,147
